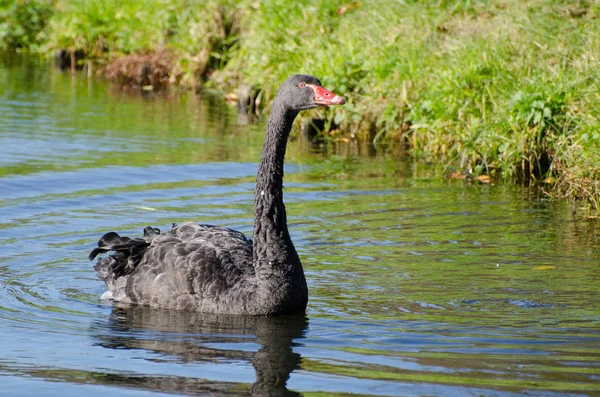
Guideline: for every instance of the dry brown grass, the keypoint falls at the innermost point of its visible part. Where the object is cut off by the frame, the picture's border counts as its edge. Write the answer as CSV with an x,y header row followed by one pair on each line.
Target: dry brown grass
x,y
152,71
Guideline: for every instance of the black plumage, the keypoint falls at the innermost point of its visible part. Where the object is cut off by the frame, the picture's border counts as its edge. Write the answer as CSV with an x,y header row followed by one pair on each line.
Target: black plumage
x,y
215,269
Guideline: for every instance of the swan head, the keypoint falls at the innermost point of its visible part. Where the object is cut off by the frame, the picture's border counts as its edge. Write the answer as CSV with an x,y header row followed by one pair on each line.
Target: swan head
x,y
302,91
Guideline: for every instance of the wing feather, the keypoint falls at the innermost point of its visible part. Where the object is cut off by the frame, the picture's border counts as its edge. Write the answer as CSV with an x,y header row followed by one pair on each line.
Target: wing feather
x,y
192,264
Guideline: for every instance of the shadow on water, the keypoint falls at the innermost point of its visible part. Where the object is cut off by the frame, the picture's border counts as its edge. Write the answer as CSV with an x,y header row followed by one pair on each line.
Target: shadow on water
x,y
204,338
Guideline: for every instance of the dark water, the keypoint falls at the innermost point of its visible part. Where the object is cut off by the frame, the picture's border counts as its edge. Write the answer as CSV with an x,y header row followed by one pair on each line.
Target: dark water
x,y
418,286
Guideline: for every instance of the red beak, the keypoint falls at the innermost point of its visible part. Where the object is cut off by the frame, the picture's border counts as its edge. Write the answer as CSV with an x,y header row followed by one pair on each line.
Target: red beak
x,y
324,97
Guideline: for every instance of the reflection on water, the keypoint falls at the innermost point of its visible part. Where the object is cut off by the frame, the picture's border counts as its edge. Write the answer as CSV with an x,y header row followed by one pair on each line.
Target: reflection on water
x,y
266,342
418,286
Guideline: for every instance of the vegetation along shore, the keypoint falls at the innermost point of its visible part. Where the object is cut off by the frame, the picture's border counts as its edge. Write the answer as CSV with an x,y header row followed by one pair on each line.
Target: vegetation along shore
x,y
508,89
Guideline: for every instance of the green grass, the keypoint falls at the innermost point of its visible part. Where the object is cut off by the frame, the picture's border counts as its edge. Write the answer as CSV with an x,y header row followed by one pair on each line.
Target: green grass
x,y
506,88
22,22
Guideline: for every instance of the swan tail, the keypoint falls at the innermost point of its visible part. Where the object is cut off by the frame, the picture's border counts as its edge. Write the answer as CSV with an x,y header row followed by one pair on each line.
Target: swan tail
x,y
128,253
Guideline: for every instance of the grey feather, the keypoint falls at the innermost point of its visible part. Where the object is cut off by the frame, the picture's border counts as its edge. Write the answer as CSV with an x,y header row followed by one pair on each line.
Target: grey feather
x,y
215,269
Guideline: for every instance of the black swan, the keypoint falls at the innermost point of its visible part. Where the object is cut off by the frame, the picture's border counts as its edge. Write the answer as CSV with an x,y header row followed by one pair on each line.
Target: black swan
x,y
215,269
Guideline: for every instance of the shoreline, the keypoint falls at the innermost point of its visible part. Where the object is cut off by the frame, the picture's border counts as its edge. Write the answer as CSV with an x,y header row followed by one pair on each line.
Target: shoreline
x,y
507,90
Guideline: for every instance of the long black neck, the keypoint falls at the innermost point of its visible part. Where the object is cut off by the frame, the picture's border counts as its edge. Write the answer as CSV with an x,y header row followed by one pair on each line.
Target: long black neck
x,y
271,236
275,259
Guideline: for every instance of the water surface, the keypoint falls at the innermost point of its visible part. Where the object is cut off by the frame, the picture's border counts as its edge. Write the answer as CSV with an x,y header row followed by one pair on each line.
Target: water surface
x,y
418,286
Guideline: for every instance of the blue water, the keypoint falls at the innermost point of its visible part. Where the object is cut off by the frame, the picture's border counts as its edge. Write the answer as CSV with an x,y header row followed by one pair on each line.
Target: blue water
x,y
418,286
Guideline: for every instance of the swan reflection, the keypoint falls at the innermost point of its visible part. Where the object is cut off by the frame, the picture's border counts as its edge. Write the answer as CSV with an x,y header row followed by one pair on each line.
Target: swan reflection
x,y
210,339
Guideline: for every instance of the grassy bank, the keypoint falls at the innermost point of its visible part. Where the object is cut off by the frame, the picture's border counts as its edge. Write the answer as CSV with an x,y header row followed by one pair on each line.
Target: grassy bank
x,y
505,88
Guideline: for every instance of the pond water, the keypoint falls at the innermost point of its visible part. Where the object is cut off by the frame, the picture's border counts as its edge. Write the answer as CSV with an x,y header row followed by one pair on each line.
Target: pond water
x,y
418,286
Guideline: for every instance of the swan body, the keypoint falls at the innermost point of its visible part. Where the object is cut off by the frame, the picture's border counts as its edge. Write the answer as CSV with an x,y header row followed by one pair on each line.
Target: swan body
x,y
214,269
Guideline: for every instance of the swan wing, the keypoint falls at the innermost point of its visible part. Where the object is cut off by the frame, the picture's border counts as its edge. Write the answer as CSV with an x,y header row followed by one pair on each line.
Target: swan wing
x,y
192,266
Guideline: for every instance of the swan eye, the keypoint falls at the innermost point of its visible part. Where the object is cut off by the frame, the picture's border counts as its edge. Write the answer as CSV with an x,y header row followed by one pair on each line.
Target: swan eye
x,y
302,85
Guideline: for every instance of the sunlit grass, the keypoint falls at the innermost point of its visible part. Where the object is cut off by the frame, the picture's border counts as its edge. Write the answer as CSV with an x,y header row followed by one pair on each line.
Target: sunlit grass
x,y
501,88
504,88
